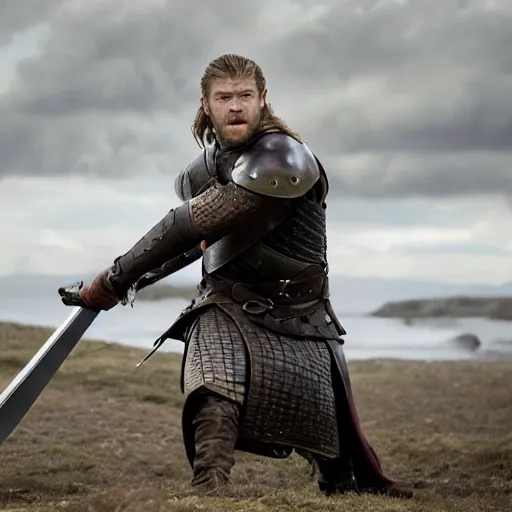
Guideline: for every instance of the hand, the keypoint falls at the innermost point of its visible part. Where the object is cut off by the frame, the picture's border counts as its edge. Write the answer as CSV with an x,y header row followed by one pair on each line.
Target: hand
x,y
203,245
99,296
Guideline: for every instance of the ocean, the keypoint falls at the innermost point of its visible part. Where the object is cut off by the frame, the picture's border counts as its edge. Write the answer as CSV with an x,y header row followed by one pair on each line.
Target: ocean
x,y
368,337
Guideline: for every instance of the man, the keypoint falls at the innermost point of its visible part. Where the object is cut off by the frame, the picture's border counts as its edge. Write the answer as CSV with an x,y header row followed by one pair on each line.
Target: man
x,y
263,369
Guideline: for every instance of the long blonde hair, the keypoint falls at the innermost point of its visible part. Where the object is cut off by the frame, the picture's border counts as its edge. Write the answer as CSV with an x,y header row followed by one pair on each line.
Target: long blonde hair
x,y
234,66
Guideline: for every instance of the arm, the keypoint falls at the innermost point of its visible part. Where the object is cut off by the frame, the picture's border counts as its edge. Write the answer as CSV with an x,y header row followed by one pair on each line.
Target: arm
x,y
168,268
209,216
277,168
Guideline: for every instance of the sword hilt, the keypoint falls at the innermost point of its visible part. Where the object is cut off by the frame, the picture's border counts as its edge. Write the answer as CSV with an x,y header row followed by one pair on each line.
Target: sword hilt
x,y
71,295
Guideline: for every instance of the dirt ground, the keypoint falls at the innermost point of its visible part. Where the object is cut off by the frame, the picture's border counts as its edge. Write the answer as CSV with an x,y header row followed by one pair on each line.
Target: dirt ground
x,y
106,437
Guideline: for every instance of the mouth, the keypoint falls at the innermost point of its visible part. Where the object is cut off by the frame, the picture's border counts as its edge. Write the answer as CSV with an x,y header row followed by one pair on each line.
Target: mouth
x,y
237,122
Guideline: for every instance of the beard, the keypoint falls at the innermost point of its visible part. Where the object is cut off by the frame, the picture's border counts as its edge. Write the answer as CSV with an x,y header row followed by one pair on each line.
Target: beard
x,y
232,135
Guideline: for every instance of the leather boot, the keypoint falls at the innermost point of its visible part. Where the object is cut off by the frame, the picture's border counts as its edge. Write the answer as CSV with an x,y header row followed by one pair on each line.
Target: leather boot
x,y
336,476
216,432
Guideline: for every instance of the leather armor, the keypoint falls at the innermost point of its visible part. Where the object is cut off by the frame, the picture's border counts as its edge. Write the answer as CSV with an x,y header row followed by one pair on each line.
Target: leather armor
x,y
276,268
232,217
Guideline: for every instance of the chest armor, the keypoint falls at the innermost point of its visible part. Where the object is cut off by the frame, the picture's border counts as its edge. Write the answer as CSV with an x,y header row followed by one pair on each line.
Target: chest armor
x,y
290,236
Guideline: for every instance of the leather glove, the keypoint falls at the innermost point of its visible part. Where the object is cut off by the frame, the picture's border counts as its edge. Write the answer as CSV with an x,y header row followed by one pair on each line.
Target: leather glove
x,y
100,295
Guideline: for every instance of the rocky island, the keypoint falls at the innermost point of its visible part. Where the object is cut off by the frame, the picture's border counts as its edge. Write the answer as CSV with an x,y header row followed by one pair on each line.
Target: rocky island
x,y
496,308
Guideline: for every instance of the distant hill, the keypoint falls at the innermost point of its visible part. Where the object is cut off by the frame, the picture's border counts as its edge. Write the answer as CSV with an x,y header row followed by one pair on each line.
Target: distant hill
x,y
349,294
363,294
166,291
498,308
46,286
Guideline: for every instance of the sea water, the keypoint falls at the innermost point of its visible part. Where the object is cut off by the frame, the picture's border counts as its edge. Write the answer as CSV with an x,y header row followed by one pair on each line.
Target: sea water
x,y
367,337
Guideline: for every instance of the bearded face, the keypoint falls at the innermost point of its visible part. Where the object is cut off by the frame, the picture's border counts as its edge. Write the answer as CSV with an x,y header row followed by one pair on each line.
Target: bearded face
x,y
235,108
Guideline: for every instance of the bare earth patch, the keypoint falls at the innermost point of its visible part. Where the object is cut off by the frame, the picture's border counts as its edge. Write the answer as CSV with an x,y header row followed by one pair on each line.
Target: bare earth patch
x,y
106,437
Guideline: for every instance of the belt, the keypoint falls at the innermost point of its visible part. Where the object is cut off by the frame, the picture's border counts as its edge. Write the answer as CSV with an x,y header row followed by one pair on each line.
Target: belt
x,y
288,296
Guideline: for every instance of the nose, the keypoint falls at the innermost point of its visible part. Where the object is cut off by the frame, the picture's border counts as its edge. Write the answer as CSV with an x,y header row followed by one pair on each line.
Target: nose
x,y
235,105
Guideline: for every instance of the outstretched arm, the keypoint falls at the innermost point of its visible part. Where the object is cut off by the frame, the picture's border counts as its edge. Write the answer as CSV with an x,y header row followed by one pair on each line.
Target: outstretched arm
x,y
209,216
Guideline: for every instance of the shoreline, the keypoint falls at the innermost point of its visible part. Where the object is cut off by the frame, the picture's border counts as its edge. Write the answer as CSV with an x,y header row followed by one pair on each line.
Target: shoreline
x,y
352,351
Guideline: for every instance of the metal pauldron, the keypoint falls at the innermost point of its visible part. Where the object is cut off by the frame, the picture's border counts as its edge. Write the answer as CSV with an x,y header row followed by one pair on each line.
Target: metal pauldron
x,y
278,166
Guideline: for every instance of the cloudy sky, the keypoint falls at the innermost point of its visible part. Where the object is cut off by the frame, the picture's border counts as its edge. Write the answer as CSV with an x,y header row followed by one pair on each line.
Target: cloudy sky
x,y
407,103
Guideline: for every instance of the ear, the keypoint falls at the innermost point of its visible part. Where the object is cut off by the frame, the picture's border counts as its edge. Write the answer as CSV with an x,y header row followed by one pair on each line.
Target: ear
x,y
204,106
263,99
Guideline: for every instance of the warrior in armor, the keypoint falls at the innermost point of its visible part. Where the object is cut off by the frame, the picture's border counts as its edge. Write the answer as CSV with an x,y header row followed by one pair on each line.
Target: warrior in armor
x,y
263,367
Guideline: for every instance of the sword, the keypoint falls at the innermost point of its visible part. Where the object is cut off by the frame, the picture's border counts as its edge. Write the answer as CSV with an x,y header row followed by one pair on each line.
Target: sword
x,y
21,394
25,388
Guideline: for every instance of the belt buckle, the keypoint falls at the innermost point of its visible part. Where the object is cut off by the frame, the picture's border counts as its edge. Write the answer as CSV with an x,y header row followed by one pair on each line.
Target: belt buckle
x,y
257,307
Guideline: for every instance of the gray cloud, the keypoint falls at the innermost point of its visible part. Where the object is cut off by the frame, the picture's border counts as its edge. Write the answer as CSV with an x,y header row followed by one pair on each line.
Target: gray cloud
x,y
462,249
16,16
397,98
443,174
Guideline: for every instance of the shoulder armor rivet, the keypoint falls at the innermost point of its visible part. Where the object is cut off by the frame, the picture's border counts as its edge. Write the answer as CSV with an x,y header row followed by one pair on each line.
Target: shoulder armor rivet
x,y
294,180
274,183
253,176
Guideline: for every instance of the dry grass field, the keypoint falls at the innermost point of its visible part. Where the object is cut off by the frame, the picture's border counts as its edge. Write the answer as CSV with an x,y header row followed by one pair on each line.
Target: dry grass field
x,y
106,437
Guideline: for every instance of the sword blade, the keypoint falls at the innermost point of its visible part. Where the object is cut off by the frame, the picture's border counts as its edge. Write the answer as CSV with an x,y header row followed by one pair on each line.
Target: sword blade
x,y
19,396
